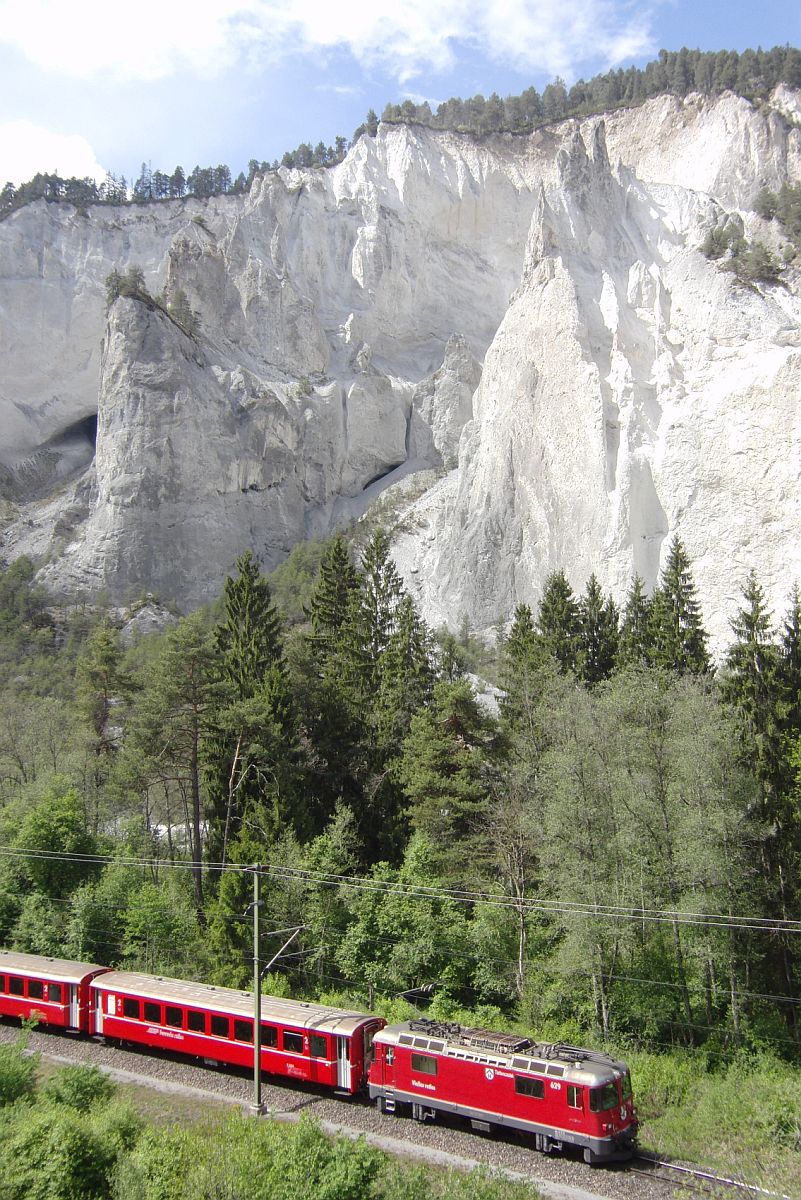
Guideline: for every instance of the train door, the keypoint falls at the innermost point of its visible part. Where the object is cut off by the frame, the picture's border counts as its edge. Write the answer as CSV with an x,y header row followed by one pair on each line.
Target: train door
x,y
343,1063
75,1006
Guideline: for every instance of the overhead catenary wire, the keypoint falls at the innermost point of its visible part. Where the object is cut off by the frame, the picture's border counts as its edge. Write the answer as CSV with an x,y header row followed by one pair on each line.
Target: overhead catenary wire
x,y
543,905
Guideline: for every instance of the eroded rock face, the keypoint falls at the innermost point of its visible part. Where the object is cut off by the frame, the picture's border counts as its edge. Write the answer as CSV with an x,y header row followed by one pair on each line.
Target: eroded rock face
x,y
532,313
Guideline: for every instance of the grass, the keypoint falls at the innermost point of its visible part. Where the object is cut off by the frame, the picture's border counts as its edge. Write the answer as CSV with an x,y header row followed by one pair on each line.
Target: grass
x,y
744,1118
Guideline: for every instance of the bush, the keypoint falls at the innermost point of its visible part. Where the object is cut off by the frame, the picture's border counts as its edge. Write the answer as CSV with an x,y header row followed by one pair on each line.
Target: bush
x,y
78,1087
17,1072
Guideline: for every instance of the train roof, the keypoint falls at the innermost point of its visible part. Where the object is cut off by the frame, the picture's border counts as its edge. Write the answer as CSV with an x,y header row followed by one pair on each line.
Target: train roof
x,y
64,969
228,1000
555,1059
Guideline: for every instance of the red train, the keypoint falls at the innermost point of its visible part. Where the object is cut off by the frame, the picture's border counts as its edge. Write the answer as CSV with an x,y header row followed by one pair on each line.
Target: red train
x,y
559,1094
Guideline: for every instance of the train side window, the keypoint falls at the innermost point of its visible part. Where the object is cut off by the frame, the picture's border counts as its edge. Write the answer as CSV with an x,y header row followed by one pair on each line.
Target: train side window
x,y
130,1008
36,989
220,1027
174,1016
196,1021
293,1042
390,1055
573,1097
426,1064
243,1031
16,985
318,1046
152,1012
2,983
54,993
529,1087
269,1035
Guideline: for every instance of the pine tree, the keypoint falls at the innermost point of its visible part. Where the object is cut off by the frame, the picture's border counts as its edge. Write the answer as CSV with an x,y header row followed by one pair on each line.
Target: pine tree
x,y
558,621
253,766
676,629
443,774
599,632
635,633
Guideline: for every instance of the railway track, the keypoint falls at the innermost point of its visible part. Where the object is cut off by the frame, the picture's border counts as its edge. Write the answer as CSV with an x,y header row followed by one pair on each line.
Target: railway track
x,y
559,1177
705,1182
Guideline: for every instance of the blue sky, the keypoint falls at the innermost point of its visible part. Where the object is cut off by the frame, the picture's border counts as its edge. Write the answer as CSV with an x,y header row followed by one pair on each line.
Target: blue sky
x,y
96,85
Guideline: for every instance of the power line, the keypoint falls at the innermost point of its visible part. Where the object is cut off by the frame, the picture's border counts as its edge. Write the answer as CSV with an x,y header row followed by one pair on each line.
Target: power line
x,y
541,905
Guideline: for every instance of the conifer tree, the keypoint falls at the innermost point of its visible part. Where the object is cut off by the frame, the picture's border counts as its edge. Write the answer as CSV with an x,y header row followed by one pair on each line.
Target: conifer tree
x,y
328,609
677,633
599,632
635,633
790,666
253,766
558,621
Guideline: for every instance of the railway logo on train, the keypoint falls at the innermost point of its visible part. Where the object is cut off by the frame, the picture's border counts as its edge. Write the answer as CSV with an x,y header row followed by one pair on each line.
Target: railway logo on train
x,y
556,1094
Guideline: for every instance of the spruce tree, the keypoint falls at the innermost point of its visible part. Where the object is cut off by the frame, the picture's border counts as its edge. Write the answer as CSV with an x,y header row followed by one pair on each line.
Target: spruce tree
x,y
252,766
558,621
677,633
635,633
790,666
599,633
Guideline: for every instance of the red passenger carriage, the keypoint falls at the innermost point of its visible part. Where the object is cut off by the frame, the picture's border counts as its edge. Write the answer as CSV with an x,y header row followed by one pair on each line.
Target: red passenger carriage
x,y
323,1045
54,990
559,1094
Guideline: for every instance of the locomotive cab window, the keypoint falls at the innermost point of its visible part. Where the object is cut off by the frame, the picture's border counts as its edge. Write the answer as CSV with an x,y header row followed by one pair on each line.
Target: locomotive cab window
x,y
293,1042
426,1064
573,1097
390,1055
174,1016
220,1027
36,989
130,1008
269,1036
196,1021
603,1098
2,983
16,986
529,1087
243,1031
318,1046
54,993
152,1012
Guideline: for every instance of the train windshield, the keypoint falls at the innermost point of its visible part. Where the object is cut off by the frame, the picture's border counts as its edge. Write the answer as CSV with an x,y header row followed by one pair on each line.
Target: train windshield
x,y
603,1098
625,1084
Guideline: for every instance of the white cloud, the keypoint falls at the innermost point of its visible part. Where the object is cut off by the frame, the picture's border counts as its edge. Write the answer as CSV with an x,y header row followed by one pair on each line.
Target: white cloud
x,y
26,149
155,38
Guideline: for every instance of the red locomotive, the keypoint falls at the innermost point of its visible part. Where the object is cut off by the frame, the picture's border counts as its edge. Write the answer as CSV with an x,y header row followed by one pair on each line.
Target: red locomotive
x,y
559,1094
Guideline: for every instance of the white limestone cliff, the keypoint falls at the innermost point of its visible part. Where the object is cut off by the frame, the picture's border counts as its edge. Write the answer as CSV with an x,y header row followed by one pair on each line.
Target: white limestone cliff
x,y
533,313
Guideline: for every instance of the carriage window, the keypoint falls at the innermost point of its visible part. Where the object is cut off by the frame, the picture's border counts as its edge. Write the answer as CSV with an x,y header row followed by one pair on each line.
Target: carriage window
x,y
130,1008
220,1027
54,993
243,1031
196,1021
269,1035
530,1087
573,1097
15,985
36,989
426,1064
153,1012
293,1041
318,1046
174,1016
2,983
603,1098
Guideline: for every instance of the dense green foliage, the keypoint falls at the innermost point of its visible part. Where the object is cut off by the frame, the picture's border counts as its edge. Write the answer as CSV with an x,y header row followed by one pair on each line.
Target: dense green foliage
x,y
752,74
626,823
